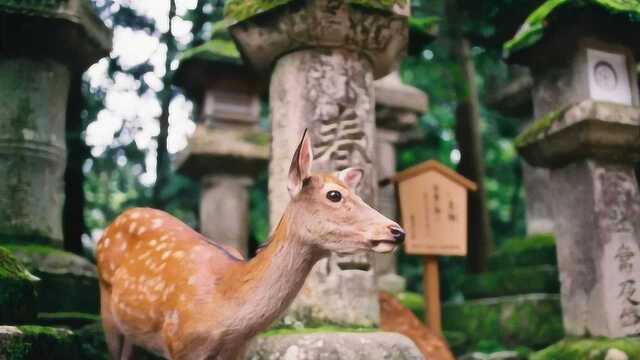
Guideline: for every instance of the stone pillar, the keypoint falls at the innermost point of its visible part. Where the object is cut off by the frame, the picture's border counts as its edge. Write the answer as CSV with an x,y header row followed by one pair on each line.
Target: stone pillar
x,y
585,90
513,99
325,55
397,109
228,150
41,49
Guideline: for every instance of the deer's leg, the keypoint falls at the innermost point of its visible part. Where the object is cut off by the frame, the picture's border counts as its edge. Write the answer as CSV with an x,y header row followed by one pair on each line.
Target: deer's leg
x,y
112,334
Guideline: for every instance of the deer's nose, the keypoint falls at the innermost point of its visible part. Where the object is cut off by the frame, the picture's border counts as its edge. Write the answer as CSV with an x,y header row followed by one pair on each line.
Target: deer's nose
x,y
397,233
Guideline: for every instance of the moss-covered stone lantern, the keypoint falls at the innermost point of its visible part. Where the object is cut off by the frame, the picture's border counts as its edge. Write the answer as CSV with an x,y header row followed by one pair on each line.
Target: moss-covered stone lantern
x,y
398,107
582,55
42,43
323,56
228,150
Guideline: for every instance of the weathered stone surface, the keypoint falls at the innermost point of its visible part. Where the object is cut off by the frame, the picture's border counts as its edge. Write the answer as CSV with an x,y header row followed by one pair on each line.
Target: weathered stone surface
x,y
330,92
391,283
598,247
37,343
538,201
33,100
69,283
501,355
531,320
380,36
589,129
17,291
334,346
395,317
224,210
591,349
236,152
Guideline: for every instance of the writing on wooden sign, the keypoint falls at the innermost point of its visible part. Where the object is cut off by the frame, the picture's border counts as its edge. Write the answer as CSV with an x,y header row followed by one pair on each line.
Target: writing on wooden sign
x,y
433,208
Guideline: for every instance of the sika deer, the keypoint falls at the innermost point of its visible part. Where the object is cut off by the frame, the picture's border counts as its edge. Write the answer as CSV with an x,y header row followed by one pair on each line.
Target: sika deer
x,y
170,290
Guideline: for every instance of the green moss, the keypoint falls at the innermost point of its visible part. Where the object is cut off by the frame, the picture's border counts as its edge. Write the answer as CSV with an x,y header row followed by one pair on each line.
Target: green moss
x,y
17,291
588,349
538,128
38,342
214,50
533,28
413,302
258,138
319,329
516,281
240,10
530,251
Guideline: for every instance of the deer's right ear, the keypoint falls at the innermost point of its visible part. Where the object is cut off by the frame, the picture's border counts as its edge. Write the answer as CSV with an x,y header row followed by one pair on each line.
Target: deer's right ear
x,y
300,165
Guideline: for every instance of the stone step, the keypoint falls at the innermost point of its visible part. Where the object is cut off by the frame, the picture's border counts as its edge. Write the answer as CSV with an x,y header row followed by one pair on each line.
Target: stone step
x,y
38,342
533,320
591,349
334,345
533,250
517,281
17,291
69,283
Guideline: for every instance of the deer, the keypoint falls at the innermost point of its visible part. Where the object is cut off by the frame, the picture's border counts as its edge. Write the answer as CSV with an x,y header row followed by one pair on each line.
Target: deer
x,y
167,289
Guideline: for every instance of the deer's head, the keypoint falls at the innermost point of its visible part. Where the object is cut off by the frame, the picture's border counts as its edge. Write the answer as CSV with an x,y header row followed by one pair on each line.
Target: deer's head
x,y
330,215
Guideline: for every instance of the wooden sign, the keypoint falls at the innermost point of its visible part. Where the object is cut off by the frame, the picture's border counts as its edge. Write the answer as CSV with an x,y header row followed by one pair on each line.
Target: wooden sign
x,y
433,208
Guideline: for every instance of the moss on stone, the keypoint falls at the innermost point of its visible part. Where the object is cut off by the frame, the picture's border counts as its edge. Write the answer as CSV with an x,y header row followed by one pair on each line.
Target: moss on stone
x,y
257,137
534,26
538,128
240,10
215,50
17,291
516,281
588,349
319,329
38,342
30,5
533,250
414,302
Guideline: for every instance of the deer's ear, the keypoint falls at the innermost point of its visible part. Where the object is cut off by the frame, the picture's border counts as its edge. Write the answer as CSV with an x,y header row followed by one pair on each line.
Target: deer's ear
x,y
351,177
300,165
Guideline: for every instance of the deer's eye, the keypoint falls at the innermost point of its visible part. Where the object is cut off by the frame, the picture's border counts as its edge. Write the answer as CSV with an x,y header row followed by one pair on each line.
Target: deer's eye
x,y
334,196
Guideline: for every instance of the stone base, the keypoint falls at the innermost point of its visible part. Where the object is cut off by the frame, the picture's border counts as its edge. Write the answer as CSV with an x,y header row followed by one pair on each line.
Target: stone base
x,y
17,291
69,283
334,346
591,349
37,342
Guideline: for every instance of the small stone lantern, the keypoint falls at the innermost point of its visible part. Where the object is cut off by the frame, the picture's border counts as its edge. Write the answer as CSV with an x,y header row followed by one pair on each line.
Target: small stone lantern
x,y
322,57
42,44
585,96
397,109
228,150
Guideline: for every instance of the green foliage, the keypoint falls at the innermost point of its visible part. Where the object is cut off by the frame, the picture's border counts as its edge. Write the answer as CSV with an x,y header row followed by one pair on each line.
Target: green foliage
x,y
214,50
39,342
533,29
588,349
516,281
17,291
533,250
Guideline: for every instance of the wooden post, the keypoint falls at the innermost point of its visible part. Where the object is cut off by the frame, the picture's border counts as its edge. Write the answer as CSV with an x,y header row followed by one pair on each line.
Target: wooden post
x,y
431,286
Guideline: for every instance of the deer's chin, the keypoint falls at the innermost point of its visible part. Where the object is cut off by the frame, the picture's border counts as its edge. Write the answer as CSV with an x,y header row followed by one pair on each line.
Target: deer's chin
x,y
383,246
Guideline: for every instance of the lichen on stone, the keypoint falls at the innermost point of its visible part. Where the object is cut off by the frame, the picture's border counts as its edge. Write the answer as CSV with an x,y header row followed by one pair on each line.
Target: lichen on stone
x,y
213,50
538,128
534,26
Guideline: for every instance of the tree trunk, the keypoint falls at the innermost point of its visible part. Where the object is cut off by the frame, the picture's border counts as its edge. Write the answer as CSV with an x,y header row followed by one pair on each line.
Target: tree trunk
x,y
163,166
469,141
73,224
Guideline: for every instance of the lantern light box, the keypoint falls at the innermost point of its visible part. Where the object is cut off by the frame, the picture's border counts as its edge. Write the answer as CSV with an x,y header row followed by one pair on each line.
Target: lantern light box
x,y
433,208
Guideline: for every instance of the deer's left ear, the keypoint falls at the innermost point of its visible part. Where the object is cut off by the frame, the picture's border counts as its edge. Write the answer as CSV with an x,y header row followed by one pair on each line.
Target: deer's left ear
x,y
351,177
300,165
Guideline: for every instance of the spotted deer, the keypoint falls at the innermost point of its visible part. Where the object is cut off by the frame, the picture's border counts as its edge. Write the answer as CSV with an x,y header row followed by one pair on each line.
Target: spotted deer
x,y
167,289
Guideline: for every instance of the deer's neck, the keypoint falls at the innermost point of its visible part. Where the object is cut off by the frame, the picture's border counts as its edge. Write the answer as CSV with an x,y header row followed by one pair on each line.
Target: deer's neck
x,y
267,284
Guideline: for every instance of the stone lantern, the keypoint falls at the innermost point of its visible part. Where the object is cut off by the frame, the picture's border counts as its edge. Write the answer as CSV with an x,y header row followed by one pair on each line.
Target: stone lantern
x,y
585,95
397,109
42,44
323,56
228,150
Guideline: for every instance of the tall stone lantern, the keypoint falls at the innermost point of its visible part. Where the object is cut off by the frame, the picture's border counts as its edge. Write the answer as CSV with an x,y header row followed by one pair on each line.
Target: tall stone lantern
x,y
398,107
583,61
42,44
323,56
228,150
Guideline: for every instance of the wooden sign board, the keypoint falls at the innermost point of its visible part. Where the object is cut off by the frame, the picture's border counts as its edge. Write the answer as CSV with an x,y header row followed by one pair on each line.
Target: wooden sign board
x,y
433,208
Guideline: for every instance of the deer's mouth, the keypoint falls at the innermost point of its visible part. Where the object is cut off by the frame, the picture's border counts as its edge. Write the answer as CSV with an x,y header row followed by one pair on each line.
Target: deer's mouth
x,y
383,246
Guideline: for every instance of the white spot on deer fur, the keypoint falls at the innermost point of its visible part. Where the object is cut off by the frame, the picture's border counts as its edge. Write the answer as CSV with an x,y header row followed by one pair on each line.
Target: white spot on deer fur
x,y
159,286
144,255
118,235
153,242
132,227
161,246
112,266
134,215
192,280
178,254
106,242
156,223
166,255
123,246
164,237
142,230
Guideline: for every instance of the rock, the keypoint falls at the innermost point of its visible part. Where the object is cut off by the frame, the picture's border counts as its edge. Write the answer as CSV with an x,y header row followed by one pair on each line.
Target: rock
x,y
37,343
334,346
69,283
517,281
615,354
591,349
392,283
533,321
395,317
17,291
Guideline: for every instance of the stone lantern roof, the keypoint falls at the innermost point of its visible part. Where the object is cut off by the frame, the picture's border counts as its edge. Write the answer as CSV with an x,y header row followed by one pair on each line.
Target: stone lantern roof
x,y
68,30
422,31
544,30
